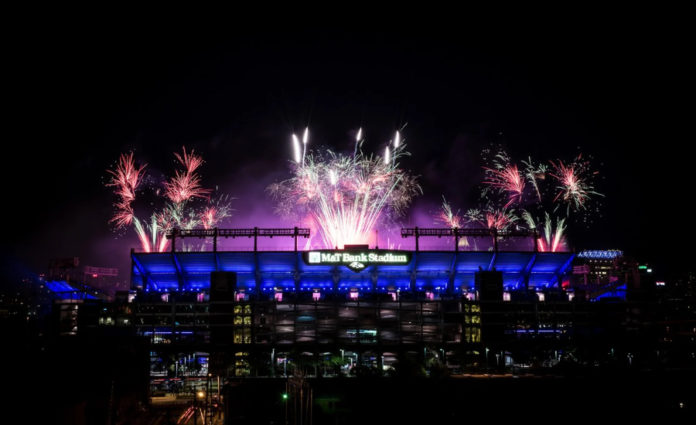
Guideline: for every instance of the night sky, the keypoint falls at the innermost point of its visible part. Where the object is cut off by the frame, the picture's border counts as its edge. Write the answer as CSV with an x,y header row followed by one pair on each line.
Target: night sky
x,y
80,97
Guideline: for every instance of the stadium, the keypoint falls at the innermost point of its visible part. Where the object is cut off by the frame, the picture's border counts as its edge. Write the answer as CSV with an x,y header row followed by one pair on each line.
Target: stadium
x,y
357,310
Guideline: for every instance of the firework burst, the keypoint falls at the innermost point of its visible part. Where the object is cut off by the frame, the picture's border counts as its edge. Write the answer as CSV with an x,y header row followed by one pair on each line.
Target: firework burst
x,y
126,179
574,185
186,184
346,197
448,217
451,219
217,210
498,219
507,179
534,194
178,209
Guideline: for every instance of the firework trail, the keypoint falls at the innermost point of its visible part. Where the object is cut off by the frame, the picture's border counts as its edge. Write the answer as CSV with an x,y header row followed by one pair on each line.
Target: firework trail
x,y
575,189
142,234
448,217
358,143
151,236
346,197
552,238
507,179
305,139
534,173
297,150
452,220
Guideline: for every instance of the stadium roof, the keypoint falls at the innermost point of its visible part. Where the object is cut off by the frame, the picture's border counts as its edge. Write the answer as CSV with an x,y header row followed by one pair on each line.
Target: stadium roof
x,y
440,271
63,290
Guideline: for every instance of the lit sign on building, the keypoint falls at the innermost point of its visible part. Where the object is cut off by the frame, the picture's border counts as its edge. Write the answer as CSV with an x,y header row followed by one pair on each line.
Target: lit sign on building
x,y
357,260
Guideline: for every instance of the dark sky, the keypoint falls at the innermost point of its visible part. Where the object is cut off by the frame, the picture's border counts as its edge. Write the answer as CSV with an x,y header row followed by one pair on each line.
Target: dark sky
x,y
80,96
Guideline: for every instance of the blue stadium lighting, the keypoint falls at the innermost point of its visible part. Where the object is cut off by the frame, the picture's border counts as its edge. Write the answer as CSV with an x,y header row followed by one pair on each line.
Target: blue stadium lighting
x,y
600,254
62,290
265,270
616,293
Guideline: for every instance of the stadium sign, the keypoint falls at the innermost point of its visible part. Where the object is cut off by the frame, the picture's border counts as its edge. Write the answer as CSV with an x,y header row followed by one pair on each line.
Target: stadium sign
x,y
357,260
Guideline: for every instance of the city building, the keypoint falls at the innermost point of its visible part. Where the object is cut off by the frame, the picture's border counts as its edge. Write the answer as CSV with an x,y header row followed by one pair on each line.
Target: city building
x,y
361,310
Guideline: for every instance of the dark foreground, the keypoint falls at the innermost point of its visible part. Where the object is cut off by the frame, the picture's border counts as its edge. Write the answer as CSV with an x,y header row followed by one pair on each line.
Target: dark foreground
x,y
635,395
458,400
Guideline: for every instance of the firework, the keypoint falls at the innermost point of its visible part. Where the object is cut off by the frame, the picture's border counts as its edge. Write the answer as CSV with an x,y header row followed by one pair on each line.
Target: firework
x,y
186,184
297,150
305,139
507,179
575,188
552,238
178,210
125,178
504,184
218,210
151,236
182,188
534,173
448,217
346,197
358,143
452,220
499,219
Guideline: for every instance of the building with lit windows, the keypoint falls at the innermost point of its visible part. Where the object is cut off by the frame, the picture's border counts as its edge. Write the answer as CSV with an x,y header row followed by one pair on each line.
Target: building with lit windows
x,y
344,311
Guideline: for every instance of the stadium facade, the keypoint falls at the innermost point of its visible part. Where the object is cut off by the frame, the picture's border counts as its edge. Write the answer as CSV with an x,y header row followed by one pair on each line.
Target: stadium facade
x,y
356,310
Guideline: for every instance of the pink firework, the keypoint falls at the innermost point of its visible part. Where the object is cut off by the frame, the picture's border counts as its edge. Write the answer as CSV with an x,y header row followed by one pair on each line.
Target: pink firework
x,y
574,187
448,217
125,178
187,184
508,180
123,216
215,213
209,217
499,219
177,211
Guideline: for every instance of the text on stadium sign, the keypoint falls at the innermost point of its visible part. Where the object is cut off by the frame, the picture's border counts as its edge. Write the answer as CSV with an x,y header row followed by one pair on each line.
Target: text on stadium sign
x,y
357,260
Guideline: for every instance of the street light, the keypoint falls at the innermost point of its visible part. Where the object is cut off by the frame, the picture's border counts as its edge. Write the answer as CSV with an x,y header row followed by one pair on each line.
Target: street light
x,y
200,395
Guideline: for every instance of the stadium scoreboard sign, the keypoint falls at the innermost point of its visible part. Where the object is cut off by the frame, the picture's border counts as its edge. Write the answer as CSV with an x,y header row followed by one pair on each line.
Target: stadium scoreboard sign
x,y
357,260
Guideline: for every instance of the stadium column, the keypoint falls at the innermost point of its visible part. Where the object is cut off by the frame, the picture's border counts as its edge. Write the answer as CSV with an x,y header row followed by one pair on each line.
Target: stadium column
x,y
416,233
